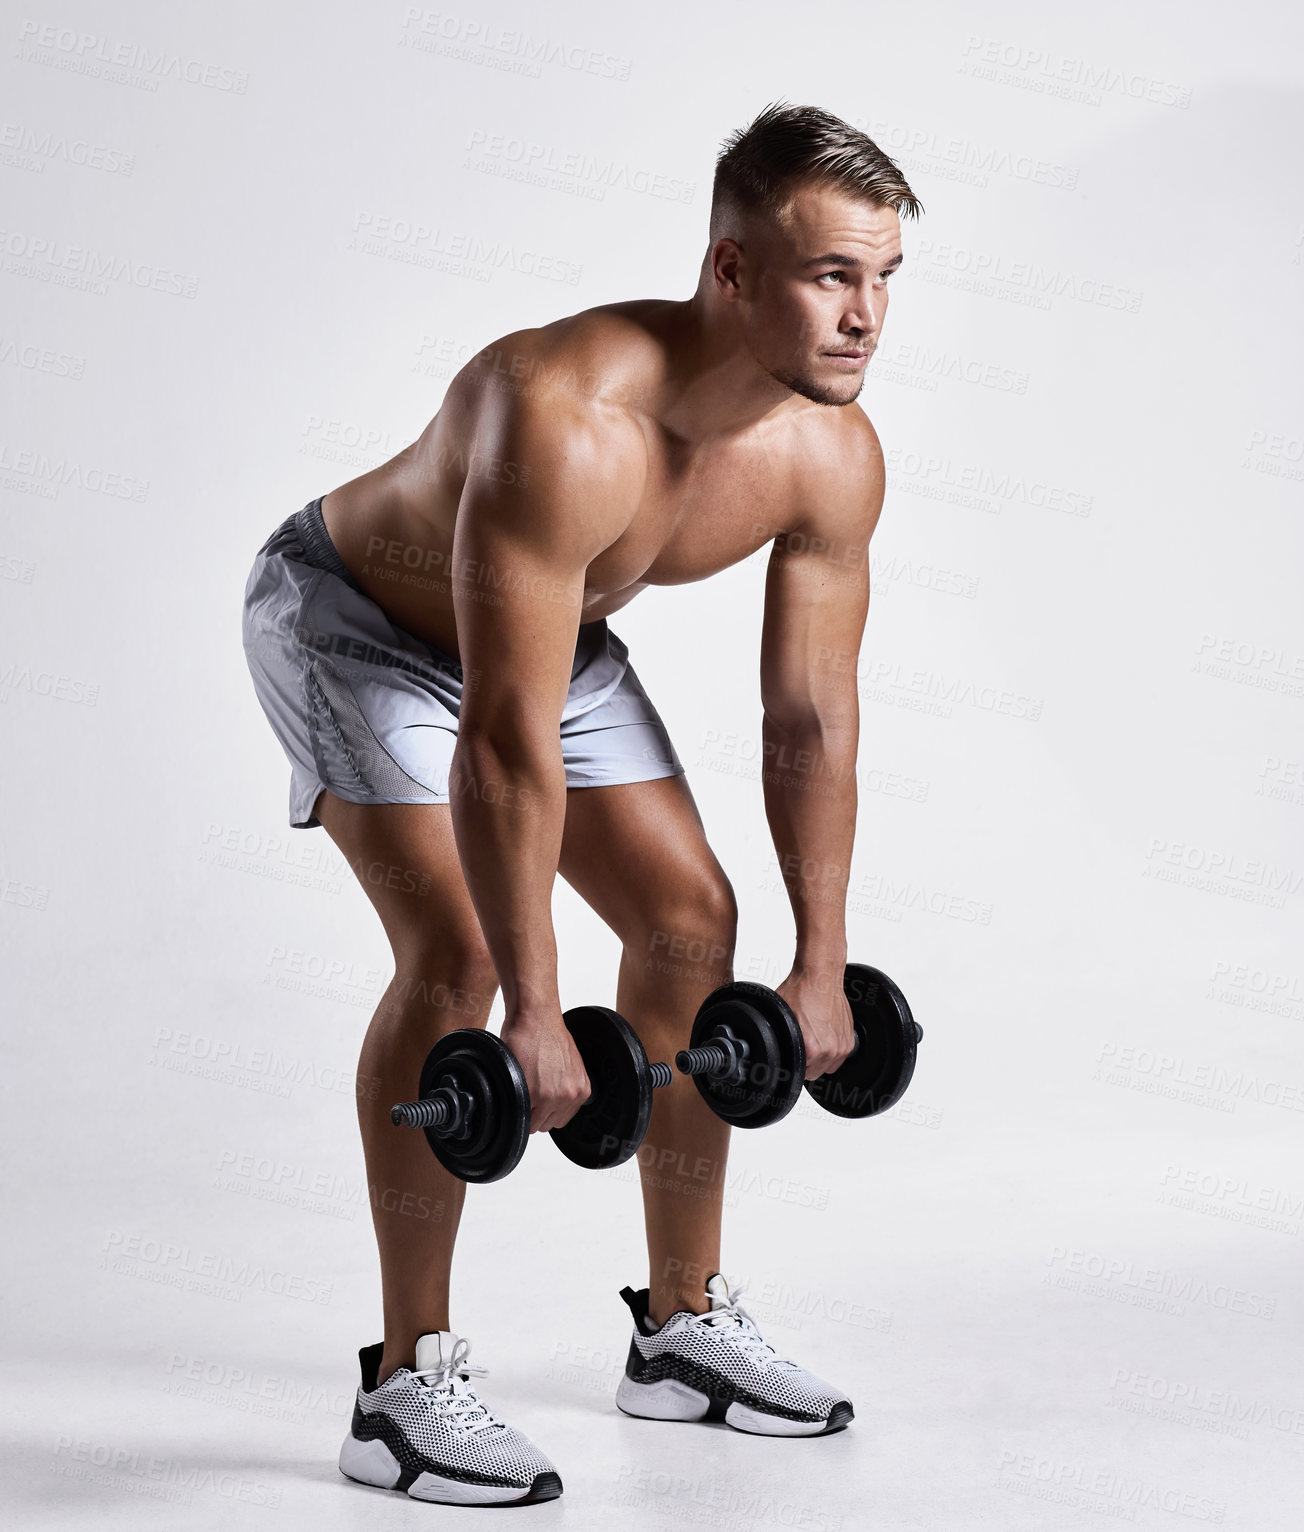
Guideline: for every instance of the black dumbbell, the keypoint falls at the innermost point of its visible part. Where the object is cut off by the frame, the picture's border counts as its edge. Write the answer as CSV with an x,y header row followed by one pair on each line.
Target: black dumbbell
x,y
474,1104
747,1055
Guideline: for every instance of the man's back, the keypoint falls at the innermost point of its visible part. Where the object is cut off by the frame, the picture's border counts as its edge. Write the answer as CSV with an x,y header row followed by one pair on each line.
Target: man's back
x,y
680,507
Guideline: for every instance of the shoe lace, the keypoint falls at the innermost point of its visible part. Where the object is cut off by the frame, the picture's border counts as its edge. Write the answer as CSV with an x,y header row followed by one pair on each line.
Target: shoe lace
x,y
739,1328
456,1398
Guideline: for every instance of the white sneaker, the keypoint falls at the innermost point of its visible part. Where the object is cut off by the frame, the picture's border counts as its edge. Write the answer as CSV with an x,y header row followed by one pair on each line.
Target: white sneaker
x,y
424,1431
717,1366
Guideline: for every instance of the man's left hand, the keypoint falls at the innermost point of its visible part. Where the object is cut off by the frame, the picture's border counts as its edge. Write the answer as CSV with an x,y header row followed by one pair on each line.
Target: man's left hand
x,y
820,1005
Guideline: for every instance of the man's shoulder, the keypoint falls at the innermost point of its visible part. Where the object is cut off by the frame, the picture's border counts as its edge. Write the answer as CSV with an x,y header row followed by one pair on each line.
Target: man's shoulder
x,y
540,407
592,364
847,442
842,479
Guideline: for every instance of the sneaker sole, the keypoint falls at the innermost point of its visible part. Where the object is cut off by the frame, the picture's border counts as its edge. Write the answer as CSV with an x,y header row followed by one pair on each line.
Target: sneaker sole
x,y
671,1400
373,1463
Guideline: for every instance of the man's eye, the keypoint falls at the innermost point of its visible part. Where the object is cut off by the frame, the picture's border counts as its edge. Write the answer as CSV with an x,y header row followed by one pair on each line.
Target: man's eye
x,y
838,274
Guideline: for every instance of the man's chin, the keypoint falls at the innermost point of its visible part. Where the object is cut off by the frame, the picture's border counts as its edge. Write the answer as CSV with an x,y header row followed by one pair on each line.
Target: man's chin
x,y
846,390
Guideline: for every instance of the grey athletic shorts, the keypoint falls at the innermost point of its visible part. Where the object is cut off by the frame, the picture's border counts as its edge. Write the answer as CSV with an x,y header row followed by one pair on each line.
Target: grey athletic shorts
x,y
370,711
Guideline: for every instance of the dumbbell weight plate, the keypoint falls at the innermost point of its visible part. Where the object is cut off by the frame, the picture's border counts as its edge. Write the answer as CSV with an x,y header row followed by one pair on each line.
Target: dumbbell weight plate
x,y
776,1065
498,1128
611,1124
876,1075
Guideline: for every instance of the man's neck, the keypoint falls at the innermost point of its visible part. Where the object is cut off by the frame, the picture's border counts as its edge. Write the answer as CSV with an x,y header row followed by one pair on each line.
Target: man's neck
x,y
713,386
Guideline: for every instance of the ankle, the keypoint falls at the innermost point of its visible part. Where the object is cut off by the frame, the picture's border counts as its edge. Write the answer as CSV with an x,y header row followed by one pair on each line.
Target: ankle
x,y
662,1305
391,1361
402,1352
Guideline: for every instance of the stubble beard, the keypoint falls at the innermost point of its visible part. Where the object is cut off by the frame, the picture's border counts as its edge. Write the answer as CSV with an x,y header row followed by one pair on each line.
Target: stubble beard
x,y
818,393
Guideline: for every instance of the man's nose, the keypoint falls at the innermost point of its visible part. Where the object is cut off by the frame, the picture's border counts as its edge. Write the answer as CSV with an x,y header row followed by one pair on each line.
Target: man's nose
x,y
860,323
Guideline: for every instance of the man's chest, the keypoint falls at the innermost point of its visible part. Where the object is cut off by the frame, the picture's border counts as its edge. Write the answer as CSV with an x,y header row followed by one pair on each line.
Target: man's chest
x,y
697,519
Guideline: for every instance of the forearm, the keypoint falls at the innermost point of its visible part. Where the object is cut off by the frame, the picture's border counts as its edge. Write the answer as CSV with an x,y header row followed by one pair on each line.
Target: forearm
x,y
508,811
809,777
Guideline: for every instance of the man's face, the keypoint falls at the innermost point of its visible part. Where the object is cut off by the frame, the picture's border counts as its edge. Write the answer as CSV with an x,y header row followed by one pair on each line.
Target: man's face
x,y
813,292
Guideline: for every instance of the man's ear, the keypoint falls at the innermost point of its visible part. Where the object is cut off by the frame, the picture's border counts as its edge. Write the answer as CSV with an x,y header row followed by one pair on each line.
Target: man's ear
x,y
727,258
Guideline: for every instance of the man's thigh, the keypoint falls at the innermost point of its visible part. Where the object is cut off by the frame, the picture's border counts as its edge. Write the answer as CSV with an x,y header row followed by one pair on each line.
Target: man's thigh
x,y
637,854
405,857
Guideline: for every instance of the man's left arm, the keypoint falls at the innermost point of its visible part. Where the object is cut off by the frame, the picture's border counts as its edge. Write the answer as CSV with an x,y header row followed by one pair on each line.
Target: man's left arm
x,y
816,602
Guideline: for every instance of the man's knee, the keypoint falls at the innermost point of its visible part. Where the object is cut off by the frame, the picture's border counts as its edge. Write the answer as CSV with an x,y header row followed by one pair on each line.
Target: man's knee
x,y
449,974
696,929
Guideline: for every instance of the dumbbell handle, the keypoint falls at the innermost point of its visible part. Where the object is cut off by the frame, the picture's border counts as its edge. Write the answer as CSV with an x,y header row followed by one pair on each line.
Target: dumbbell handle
x,y
722,1055
709,1059
715,1059
433,1112
444,1109
720,1058
440,1109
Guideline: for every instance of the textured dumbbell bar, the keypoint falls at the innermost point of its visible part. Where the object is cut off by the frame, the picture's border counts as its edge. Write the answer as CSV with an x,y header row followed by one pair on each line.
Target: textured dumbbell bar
x,y
746,1054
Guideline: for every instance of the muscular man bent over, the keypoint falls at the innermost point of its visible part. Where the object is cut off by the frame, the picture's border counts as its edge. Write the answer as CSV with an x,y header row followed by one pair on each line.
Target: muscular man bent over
x,y
430,642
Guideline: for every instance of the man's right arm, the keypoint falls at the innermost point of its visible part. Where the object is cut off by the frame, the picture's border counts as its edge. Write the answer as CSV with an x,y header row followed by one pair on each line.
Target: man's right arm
x,y
562,489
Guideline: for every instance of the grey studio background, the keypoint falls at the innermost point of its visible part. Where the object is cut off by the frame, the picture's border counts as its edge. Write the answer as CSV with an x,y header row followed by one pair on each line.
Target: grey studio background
x,y
244,249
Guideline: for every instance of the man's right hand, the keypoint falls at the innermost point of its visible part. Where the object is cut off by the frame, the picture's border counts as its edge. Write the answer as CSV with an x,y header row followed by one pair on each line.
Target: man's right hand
x,y
554,1073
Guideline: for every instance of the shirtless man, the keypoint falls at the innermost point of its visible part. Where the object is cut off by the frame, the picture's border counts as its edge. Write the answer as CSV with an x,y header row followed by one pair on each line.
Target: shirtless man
x,y
430,643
